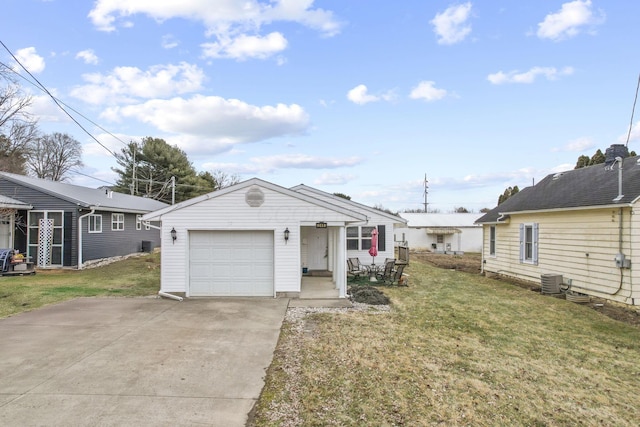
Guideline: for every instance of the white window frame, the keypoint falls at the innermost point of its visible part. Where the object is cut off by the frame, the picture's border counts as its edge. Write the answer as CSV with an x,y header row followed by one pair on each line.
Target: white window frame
x,y
32,233
492,241
117,222
91,223
138,222
529,243
363,237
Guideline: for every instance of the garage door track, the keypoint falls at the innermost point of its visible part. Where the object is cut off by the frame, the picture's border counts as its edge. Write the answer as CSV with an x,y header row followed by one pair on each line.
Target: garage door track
x,y
137,361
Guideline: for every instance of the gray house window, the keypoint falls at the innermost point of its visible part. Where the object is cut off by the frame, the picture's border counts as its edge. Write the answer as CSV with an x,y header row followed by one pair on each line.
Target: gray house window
x,y
492,240
95,223
529,243
138,222
117,221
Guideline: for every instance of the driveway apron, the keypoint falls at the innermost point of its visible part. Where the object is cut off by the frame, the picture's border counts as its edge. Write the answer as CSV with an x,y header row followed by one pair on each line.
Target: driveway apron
x,y
137,361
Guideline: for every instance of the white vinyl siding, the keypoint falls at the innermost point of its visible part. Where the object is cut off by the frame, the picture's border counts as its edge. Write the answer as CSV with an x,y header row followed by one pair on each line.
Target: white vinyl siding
x,y
230,212
95,223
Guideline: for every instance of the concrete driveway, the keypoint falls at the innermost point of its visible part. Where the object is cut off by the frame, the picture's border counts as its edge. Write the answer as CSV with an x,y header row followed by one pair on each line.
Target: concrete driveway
x,y
137,361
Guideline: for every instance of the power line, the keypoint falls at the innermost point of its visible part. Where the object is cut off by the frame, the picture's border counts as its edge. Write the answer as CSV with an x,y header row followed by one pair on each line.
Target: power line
x,y
633,111
90,176
55,100
65,104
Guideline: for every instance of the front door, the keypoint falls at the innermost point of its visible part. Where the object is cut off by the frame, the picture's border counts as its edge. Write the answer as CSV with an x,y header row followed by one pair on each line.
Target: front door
x,y
318,248
5,232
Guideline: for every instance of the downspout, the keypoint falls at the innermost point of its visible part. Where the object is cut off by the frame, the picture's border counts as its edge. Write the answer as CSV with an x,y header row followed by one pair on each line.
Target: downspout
x,y
91,212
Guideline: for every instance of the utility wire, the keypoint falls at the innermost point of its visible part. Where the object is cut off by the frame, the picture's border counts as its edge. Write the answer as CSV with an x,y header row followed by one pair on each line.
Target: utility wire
x,y
63,103
633,111
55,100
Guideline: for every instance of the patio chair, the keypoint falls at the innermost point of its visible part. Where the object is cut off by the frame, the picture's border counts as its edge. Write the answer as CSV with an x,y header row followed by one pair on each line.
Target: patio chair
x,y
385,274
352,271
5,259
358,266
393,274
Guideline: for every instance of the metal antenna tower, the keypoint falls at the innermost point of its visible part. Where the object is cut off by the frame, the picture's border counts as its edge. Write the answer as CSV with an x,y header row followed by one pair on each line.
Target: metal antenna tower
x,y
426,192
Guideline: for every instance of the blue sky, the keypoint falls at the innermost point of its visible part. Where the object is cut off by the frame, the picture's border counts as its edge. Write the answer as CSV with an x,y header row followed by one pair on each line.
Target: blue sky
x,y
361,97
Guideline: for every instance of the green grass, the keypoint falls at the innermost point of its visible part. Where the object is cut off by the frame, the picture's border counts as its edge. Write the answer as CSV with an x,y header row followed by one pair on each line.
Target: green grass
x,y
135,276
456,349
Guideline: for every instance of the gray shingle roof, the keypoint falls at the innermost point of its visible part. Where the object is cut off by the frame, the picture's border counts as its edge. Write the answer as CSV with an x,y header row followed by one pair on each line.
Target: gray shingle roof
x,y
8,202
579,188
85,196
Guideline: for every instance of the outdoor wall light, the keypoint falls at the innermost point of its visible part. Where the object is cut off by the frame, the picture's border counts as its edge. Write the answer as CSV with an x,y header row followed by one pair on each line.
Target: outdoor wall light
x,y
174,234
286,234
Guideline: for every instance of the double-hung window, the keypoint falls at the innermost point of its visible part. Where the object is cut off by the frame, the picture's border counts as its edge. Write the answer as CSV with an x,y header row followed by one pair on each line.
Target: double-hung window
x,y
95,223
359,238
117,221
529,243
492,240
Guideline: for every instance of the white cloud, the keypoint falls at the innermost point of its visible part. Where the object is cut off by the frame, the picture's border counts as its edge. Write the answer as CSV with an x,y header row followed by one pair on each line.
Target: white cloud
x,y
30,60
125,84
88,56
169,41
220,17
360,96
215,124
270,164
451,25
551,73
244,47
114,142
634,135
568,21
577,145
43,107
333,179
426,90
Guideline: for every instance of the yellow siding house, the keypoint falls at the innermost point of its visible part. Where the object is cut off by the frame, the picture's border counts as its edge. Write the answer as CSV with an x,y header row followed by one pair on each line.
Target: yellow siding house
x,y
582,226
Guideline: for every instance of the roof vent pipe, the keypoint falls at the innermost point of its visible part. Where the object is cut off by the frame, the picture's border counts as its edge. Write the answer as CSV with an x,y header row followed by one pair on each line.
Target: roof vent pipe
x,y
620,195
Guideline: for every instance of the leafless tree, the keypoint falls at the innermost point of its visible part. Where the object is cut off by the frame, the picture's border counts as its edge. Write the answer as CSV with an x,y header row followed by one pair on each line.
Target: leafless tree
x,y
17,126
52,156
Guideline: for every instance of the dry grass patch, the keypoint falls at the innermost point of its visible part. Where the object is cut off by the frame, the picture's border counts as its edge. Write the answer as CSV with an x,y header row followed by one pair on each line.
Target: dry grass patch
x,y
456,349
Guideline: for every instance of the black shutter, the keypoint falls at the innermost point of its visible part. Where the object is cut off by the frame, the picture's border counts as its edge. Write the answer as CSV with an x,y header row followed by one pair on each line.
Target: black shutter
x,y
67,239
382,238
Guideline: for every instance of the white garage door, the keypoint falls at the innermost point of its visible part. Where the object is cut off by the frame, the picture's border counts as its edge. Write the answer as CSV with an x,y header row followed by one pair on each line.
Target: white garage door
x,y
231,263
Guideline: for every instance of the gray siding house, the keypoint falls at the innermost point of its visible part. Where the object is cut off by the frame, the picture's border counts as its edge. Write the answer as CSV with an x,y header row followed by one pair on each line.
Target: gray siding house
x,y
65,225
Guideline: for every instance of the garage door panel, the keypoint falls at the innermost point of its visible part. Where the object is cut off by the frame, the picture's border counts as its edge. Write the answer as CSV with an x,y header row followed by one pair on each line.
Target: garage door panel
x,y
231,263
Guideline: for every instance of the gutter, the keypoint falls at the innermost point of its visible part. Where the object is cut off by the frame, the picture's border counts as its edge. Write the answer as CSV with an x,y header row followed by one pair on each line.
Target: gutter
x,y
91,212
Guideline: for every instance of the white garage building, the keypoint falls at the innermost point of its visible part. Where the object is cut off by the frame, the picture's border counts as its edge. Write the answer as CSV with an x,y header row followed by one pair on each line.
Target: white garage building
x,y
255,238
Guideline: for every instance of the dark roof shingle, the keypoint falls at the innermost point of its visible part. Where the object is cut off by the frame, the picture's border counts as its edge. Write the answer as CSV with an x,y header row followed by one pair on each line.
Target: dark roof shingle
x,y
584,187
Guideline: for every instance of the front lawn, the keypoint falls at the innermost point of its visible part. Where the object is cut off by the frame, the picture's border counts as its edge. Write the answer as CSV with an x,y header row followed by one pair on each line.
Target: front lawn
x,y
455,349
134,276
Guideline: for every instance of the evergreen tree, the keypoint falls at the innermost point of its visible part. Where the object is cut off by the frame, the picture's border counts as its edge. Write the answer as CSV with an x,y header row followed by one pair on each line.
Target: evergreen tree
x,y
508,193
150,167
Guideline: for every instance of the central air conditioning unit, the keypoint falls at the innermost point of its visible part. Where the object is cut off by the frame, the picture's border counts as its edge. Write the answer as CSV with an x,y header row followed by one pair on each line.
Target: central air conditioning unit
x,y
551,283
